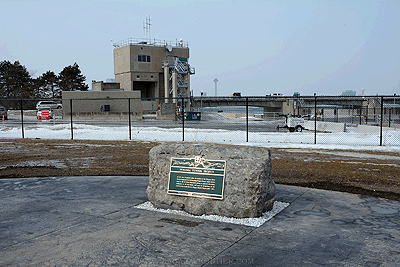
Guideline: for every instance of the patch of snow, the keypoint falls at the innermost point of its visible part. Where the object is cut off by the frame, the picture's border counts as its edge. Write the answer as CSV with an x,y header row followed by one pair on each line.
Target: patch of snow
x,y
41,163
304,140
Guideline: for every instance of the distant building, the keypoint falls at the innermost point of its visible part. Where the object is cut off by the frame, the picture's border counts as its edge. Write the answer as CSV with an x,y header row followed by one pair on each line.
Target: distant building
x,y
349,93
157,71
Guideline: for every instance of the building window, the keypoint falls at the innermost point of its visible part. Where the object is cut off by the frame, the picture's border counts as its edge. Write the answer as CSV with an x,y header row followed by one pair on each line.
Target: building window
x,y
143,58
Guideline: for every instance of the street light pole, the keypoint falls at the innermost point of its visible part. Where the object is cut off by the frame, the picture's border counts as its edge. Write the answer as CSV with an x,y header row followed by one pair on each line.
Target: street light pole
x,y
215,81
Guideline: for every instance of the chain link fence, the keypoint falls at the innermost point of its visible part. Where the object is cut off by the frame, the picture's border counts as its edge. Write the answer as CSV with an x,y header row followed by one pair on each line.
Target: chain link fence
x,y
341,120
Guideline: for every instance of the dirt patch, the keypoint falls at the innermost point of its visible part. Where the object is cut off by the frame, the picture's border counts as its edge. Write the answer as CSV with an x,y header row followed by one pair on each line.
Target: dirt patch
x,y
44,158
377,174
340,171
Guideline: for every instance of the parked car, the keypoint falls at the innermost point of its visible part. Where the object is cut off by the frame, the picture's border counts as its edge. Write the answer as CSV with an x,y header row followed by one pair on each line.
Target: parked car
x,y
3,113
50,104
40,111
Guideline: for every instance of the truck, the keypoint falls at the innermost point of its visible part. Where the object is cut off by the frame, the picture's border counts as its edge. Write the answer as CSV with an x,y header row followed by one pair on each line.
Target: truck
x,y
293,124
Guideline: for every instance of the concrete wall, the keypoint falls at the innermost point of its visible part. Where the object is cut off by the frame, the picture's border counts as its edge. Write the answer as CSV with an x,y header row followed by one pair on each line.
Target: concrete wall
x,y
235,115
122,60
149,106
158,54
96,86
367,129
93,104
101,86
126,58
328,127
125,81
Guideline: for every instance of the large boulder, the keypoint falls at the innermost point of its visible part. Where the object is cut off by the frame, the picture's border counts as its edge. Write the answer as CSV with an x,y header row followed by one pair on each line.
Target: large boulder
x,y
248,188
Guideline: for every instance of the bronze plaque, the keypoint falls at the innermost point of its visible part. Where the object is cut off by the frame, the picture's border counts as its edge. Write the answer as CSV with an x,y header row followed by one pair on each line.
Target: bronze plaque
x,y
197,177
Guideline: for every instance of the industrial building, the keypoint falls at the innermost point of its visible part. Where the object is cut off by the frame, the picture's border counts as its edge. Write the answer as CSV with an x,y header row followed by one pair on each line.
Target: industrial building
x,y
158,71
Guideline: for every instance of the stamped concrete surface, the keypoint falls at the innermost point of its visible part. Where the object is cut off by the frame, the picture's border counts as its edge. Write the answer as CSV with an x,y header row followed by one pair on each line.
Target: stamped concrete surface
x,y
92,221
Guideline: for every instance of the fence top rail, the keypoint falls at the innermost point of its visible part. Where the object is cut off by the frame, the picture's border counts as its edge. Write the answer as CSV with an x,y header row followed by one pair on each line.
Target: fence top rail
x,y
218,98
298,97
102,98
285,98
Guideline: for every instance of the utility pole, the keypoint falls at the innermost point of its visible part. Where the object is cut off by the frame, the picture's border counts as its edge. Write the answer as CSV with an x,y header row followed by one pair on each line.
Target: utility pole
x,y
215,81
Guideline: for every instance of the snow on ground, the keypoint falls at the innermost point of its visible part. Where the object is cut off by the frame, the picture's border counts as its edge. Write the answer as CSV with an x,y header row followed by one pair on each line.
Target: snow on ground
x,y
350,140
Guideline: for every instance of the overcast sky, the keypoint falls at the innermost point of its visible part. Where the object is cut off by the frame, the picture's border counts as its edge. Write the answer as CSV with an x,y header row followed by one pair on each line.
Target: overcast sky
x,y
252,47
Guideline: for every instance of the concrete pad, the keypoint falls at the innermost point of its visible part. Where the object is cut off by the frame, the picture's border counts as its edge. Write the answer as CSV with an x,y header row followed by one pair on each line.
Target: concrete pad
x,y
325,228
92,221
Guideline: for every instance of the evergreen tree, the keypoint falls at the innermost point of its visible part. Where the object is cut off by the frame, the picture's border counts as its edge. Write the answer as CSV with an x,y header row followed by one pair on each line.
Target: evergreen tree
x,y
36,87
50,87
14,80
71,79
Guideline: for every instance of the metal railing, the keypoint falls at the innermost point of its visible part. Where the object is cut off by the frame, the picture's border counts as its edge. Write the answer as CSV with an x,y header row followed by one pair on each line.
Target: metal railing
x,y
149,42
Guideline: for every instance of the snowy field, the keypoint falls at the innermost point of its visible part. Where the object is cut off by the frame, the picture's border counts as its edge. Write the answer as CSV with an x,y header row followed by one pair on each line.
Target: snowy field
x,y
350,140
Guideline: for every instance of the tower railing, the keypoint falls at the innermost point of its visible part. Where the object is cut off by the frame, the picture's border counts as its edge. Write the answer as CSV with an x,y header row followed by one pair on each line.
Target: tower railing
x,y
150,42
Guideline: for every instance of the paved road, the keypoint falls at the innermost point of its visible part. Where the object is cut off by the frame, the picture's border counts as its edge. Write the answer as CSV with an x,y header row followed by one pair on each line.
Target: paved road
x,y
92,221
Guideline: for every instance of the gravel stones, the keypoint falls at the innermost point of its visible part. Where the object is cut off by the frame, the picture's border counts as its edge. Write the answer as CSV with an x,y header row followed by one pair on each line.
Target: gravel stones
x,y
248,190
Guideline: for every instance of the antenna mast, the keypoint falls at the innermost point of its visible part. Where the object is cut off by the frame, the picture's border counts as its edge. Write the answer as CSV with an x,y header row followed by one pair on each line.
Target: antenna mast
x,y
147,28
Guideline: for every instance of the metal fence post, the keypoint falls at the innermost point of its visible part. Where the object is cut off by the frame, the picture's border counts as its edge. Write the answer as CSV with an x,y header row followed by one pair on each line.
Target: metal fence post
x,y
381,132
247,119
22,120
183,120
315,118
336,115
352,114
129,118
72,126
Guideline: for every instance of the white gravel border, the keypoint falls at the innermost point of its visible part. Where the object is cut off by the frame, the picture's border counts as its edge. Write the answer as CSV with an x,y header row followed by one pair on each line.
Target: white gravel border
x,y
255,222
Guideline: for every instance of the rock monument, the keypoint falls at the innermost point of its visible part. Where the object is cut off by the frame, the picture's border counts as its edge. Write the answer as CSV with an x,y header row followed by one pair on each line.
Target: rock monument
x,y
226,180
